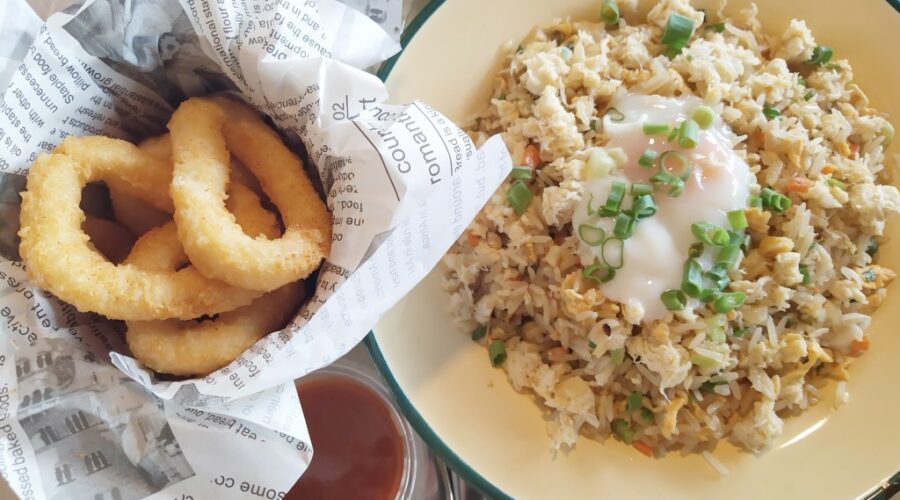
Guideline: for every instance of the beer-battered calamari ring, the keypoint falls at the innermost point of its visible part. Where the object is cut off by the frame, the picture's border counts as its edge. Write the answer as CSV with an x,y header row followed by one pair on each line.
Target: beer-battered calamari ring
x,y
123,167
198,347
160,250
140,216
200,129
59,258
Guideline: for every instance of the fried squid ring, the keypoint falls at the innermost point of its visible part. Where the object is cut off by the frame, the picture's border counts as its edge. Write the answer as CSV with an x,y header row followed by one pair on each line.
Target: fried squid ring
x,y
133,212
58,255
200,130
123,167
138,215
198,347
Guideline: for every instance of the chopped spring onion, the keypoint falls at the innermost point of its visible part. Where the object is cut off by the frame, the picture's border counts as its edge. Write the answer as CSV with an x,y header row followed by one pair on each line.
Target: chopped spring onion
x,y
708,295
643,207
677,33
524,173
737,219
809,95
729,301
775,201
613,253
754,202
519,196
497,352
718,274
609,12
745,244
696,250
716,27
646,160
729,255
655,128
692,281
689,135
617,356
779,203
614,201
704,116
594,125
674,300
836,183
663,178
716,334
634,401
675,163
615,115
804,271
771,113
709,386
479,333
887,132
872,247
674,133
710,234
801,81
821,55
591,235
624,226
599,272
640,189
622,428
704,362
592,345
646,415
739,331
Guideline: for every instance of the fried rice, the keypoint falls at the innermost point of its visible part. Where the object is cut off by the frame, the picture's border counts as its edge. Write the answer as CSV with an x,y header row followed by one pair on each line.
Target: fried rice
x,y
596,366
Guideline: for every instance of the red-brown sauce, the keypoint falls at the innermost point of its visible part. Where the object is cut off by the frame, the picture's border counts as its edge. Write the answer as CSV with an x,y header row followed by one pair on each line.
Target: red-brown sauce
x,y
358,450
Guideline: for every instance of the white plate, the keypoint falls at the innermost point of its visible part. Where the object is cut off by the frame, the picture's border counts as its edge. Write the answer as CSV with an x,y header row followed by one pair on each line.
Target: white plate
x,y
496,437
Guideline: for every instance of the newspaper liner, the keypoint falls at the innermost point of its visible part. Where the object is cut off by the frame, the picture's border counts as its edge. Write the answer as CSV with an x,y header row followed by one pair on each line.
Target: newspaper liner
x,y
402,182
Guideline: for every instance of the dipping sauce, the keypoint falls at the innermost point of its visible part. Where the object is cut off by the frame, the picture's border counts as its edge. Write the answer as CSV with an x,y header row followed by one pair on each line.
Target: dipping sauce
x,y
654,256
358,449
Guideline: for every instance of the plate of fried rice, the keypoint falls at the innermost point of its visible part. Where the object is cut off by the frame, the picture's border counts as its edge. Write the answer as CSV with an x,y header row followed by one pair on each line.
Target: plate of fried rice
x,y
683,289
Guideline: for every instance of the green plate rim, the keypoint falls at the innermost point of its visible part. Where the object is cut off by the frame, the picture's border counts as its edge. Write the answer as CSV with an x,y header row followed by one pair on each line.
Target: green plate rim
x,y
879,492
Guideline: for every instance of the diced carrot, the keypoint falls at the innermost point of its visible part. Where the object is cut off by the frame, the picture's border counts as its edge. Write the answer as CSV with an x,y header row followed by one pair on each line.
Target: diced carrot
x,y
859,346
854,150
532,156
643,448
759,135
557,354
473,238
798,185
828,169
